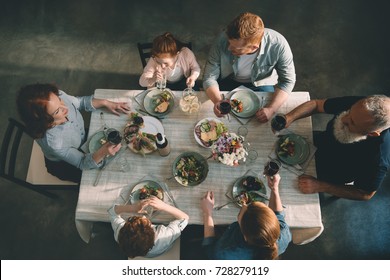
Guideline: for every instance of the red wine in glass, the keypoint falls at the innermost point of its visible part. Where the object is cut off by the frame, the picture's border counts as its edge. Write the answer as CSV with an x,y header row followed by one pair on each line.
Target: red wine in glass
x,y
278,122
225,107
271,168
114,137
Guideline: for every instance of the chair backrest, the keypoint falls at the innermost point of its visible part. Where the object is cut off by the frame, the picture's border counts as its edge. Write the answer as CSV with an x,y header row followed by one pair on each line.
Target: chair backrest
x,y
11,158
145,49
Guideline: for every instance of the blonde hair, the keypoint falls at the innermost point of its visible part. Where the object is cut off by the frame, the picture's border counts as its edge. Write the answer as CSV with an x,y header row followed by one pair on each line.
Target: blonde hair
x,y
246,26
261,229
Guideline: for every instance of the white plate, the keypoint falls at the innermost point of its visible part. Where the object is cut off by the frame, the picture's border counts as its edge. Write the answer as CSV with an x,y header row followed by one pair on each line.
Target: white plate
x,y
198,124
152,125
136,189
250,102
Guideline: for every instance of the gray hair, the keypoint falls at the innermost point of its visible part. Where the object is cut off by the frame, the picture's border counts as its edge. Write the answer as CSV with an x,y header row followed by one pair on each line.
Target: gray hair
x,y
379,107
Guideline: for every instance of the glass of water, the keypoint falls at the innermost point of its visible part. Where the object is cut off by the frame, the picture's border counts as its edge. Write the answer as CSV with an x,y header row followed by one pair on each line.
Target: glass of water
x,y
162,83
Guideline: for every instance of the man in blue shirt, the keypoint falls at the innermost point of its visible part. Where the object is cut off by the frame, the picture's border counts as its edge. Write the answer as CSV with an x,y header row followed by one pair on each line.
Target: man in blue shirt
x,y
353,154
249,54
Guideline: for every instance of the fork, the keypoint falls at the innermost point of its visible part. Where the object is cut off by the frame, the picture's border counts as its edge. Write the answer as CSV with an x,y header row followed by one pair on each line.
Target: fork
x,y
223,205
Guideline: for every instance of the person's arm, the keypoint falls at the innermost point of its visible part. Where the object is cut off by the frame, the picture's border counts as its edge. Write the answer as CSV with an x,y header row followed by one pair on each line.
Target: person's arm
x,y
265,114
192,66
308,184
149,75
207,205
158,204
128,208
114,107
275,202
305,110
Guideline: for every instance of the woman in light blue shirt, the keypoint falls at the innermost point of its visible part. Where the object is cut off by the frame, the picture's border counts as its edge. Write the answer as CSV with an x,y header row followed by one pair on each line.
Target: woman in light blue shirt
x,y
53,118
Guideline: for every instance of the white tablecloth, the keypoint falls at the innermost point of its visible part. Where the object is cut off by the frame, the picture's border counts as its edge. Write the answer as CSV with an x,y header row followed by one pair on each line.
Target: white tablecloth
x,y
303,213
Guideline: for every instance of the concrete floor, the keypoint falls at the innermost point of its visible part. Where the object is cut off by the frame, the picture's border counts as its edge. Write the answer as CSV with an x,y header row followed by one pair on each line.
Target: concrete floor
x,y
340,48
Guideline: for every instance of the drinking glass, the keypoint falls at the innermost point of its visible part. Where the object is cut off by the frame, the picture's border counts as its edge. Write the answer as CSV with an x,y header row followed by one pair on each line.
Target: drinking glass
x,y
278,122
147,210
252,156
113,136
162,83
242,131
272,168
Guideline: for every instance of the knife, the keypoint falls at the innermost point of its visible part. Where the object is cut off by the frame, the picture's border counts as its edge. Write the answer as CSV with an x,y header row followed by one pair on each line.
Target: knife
x,y
104,167
171,196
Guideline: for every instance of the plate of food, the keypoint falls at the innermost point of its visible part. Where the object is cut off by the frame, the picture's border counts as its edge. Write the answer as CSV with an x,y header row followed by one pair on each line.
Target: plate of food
x,y
244,103
190,169
146,189
208,130
158,102
247,189
97,140
140,133
292,149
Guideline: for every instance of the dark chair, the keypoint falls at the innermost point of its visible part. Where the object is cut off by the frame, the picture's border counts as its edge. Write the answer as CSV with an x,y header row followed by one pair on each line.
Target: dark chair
x,y
13,163
144,50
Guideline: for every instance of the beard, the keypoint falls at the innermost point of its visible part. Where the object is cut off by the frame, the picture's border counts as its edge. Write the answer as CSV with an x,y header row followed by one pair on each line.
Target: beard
x,y
342,133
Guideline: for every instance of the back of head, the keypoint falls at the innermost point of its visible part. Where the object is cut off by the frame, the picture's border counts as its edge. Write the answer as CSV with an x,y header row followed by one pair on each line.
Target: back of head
x,y
246,26
379,108
166,44
31,104
136,237
261,229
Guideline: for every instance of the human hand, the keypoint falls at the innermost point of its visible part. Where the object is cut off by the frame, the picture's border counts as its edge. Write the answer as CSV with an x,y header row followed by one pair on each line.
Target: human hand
x,y
264,114
308,184
217,112
207,203
155,202
117,107
273,182
112,149
190,82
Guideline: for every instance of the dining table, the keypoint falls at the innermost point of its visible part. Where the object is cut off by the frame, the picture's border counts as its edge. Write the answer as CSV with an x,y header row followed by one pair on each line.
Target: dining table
x,y
115,183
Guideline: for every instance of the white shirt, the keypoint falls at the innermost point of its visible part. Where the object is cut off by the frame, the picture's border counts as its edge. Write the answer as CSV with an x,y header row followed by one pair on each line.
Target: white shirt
x,y
164,235
244,67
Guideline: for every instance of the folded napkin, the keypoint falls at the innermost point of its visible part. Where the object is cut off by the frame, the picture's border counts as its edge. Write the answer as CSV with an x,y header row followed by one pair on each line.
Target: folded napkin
x,y
298,169
259,96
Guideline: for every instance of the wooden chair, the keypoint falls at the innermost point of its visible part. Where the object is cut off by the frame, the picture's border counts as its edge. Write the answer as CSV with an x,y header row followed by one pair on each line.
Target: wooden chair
x,y
171,254
12,161
145,49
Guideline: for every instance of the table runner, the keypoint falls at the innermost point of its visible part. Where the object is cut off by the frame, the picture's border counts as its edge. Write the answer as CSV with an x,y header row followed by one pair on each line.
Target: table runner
x,y
303,212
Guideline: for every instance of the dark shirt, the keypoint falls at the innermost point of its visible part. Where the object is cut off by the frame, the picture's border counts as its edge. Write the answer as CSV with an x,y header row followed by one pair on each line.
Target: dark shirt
x,y
232,245
365,162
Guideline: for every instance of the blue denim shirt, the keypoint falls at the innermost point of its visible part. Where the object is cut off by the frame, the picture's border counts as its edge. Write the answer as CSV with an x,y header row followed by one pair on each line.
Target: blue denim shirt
x,y
62,142
232,246
274,54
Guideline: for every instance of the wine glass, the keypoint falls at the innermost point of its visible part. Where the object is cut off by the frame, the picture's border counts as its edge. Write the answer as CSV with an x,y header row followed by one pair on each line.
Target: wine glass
x,y
113,136
224,106
272,168
278,122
